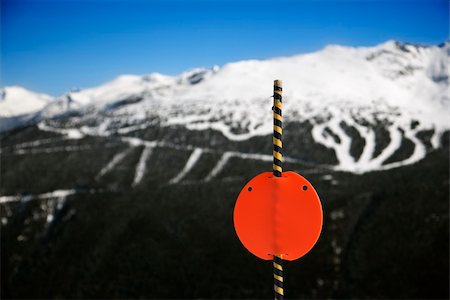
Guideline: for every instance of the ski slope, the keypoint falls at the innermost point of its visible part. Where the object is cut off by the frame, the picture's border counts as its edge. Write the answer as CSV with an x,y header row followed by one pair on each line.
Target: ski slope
x,y
402,87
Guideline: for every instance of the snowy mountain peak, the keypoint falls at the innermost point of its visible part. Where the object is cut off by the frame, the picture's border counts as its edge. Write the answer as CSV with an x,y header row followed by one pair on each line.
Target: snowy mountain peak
x,y
16,100
158,78
400,86
196,75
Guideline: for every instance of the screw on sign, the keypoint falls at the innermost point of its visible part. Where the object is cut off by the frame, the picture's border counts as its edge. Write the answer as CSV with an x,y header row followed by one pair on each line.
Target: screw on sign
x,y
278,216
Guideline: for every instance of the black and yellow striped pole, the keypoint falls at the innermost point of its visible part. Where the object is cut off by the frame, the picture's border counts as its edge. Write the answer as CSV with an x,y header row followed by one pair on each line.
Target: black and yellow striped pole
x,y
277,128
278,277
277,171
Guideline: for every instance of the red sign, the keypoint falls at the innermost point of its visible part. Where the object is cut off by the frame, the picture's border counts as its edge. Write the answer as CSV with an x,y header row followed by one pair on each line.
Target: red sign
x,y
278,215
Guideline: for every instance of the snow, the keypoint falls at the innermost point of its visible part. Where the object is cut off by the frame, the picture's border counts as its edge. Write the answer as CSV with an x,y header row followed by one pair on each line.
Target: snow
x,y
367,161
70,133
113,162
219,166
142,165
146,153
16,100
135,141
53,194
418,153
121,88
193,158
53,150
226,156
392,83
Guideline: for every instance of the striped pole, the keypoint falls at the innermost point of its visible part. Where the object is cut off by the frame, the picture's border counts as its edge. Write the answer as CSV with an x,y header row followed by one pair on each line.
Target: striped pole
x,y
278,277
277,170
277,129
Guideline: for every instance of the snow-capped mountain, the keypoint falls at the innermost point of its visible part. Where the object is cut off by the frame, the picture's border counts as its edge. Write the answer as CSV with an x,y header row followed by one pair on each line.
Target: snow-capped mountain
x,y
404,87
18,106
16,101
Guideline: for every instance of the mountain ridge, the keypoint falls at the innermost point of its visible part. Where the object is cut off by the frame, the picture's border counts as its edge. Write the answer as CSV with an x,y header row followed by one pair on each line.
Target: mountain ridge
x,y
388,44
403,87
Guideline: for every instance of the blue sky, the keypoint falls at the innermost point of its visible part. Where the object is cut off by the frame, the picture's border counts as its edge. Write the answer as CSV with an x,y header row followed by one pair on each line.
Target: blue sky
x,y
53,46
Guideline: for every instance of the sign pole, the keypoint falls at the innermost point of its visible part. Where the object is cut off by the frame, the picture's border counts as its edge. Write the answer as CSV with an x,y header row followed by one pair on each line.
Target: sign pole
x,y
277,171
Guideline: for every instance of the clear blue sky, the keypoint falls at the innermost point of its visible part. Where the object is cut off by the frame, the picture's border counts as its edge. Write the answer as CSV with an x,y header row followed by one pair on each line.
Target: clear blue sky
x,y
53,46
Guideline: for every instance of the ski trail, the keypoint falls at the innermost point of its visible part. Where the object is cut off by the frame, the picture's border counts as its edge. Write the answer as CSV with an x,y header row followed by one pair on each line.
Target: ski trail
x,y
394,144
318,134
135,141
255,156
436,139
264,157
70,133
53,149
366,161
366,133
24,198
343,148
195,156
113,162
59,149
141,166
39,142
369,147
418,154
219,166
126,130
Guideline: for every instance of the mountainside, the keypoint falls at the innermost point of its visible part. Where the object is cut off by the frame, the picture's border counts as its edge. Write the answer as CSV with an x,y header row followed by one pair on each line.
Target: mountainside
x,y
126,190
393,92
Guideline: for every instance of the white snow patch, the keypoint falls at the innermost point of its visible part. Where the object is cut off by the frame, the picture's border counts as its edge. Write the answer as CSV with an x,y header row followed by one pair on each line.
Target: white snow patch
x,y
193,158
53,194
71,133
219,166
113,162
134,141
142,165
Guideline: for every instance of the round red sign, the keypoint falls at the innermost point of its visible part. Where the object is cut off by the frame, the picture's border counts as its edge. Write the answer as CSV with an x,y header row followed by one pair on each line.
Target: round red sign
x,y
278,215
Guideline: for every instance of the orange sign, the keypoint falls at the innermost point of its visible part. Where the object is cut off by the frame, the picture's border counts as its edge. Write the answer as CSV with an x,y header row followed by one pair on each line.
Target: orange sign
x,y
278,215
